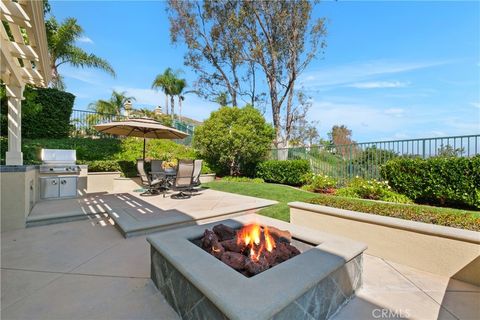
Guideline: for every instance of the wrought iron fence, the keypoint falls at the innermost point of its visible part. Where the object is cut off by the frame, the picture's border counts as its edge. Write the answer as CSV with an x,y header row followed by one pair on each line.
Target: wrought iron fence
x,y
82,123
364,159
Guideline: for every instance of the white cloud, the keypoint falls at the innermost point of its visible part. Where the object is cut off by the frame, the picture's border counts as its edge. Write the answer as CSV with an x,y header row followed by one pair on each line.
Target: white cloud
x,y
396,112
85,39
359,72
378,84
476,105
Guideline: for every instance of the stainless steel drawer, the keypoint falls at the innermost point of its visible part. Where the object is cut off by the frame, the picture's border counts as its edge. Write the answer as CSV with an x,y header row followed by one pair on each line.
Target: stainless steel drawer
x,y
68,187
49,188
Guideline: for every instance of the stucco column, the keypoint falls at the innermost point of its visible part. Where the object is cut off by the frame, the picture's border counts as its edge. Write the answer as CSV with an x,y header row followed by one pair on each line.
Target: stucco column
x,y
14,155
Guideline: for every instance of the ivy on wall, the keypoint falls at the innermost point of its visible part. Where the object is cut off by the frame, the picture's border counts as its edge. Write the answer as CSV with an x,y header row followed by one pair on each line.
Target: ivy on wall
x,y
45,112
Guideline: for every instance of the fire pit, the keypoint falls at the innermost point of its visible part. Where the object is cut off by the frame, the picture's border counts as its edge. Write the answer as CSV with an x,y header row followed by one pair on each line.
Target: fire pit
x,y
251,249
314,282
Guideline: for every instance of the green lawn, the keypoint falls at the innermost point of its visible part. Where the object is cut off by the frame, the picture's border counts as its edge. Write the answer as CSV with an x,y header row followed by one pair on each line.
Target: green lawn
x,y
282,194
465,219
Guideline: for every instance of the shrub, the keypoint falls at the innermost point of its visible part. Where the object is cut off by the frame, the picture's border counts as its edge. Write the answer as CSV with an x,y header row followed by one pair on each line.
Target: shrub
x,y
319,183
443,216
45,113
127,168
233,140
283,171
242,179
371,189
440,180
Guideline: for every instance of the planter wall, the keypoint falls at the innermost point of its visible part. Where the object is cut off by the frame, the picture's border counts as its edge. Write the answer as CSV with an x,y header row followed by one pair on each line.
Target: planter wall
x,y
437,249
101,181
209,177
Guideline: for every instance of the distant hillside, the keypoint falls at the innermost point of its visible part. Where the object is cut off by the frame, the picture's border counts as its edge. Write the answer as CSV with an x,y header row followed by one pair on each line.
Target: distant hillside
x,y
191,121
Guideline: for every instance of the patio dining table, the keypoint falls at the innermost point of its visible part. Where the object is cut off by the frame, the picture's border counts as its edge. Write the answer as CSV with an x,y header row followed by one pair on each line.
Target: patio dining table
x,y
166,176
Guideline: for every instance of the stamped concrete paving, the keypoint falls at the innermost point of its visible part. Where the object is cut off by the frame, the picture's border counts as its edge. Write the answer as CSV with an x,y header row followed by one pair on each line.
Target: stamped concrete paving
x,y
87,270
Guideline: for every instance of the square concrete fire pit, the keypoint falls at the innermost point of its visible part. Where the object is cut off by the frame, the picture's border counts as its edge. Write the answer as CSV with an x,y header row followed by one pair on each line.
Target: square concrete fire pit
x,y
314,284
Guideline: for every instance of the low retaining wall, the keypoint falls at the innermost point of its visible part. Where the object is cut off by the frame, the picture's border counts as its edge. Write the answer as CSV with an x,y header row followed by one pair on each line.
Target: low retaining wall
x,y
437,249
101,181
208,177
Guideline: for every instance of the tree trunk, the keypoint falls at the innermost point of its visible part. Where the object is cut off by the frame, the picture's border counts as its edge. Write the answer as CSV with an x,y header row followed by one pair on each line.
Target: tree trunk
x,y
289,116
180,108
172,105
166,103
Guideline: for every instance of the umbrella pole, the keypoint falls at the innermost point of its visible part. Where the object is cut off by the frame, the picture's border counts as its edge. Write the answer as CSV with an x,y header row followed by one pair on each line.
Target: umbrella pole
x,y
144,149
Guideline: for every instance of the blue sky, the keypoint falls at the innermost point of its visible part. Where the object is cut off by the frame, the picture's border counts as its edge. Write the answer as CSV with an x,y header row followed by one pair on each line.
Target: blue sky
x,y
392,70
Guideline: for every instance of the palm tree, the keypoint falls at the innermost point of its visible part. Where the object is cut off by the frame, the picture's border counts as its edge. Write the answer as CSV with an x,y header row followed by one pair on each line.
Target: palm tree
x,y
143,113
61,44
165,82
178,87
114,106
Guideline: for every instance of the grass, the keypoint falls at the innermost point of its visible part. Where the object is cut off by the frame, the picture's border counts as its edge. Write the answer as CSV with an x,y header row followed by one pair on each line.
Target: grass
x,y
283,194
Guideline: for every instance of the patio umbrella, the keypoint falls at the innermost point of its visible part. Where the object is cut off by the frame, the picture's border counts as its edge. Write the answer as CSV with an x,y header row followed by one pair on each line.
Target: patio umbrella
x,y
142,128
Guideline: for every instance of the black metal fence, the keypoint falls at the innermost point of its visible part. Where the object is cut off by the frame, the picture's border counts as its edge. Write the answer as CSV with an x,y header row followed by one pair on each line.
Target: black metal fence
x,y
364,159
82,123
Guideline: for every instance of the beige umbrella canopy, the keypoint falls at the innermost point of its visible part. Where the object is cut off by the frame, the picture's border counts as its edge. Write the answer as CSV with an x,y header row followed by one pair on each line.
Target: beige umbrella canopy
x,y
142,128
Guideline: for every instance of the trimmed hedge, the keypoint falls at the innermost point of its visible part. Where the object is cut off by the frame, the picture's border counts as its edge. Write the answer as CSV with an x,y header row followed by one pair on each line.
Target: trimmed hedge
x,y
126,167
45,112
453,181
283,171
104,155
442,216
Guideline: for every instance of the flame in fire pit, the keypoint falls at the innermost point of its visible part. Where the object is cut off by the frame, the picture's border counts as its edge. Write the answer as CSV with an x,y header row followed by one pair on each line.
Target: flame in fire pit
x,y
256,239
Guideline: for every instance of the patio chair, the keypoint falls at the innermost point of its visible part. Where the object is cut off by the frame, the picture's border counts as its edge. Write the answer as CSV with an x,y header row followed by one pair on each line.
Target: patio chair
x,y
184,179
156,167
152,186
197,169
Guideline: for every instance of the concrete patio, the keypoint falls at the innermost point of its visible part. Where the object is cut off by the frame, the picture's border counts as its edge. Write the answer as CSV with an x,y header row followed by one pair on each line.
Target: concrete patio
x,y
134,214
87,270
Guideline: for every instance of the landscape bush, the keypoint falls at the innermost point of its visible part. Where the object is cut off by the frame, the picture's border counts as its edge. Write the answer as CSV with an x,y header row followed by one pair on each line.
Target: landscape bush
x,y
372,190
319,183
453,181
233,140
127,168
288,172
443,216
45,112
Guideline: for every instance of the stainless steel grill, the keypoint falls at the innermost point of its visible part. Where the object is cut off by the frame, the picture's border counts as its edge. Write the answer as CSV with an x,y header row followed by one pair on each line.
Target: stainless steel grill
x,y
59,174
59,161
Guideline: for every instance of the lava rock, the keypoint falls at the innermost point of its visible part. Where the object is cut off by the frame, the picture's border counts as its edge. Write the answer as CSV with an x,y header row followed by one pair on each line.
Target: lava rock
x,y
232,245
224,232
255,267
235,260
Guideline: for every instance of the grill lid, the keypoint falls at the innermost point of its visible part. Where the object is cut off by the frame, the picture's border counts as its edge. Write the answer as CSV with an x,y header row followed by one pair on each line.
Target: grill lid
x,y
58,156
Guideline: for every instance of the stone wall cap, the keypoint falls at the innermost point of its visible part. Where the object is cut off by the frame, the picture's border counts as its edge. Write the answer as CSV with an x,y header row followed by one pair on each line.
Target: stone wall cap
x,y
414,226
23,168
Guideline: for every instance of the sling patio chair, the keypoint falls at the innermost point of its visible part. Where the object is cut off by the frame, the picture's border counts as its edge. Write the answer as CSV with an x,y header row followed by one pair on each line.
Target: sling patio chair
x,y
152,186
197,170
184,179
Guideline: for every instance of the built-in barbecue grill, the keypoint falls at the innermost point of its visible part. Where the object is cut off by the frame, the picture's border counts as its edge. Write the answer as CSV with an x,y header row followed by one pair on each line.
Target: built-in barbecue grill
x,y
59,161
58,174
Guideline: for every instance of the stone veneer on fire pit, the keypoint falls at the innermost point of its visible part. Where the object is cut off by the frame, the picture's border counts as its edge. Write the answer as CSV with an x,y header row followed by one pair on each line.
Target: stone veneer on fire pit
x,y
314,284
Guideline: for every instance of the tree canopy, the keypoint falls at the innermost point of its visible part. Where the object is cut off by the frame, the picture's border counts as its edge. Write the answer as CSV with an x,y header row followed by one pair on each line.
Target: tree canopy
x,y
114,106
233,140
61,39
236,47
